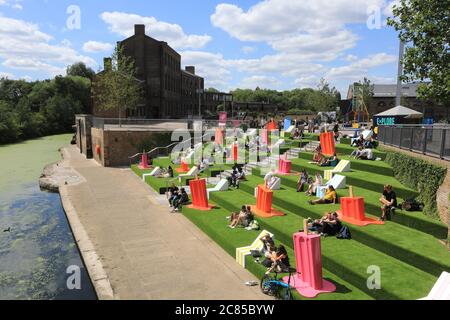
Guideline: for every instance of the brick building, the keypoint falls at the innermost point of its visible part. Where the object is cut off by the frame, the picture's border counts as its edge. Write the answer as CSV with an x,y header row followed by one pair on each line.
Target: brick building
x,y
170,92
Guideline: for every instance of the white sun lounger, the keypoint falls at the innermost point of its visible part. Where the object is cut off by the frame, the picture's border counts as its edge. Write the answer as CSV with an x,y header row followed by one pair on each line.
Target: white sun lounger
x,y
221,186
242,252
441,290
192,173
154,172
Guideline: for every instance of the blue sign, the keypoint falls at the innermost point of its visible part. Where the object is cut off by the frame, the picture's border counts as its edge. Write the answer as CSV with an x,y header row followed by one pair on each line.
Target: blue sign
x,y
385,121
287,124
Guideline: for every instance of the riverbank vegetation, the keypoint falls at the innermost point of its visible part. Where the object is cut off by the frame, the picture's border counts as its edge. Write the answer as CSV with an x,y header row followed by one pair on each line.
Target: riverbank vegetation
x,y
39,108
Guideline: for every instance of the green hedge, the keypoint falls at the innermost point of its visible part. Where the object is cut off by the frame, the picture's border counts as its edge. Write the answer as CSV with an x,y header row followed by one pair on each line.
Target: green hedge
x,y
420,175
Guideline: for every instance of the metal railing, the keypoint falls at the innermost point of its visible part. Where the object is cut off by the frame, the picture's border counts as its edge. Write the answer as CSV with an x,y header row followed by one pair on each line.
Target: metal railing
x,y
426,139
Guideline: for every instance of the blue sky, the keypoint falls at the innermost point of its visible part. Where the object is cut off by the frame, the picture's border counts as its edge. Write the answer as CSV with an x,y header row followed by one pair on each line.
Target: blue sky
x,y
278,44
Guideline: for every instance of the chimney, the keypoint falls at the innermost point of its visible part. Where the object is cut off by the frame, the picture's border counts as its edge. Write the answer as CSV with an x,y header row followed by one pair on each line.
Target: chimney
x,y
107,64
139,29
190,69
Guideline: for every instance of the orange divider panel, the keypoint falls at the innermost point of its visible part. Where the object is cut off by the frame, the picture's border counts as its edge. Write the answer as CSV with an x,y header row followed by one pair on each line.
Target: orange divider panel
x,y
199,195
219,136
184,167
235,152
353,212
327,143
263,208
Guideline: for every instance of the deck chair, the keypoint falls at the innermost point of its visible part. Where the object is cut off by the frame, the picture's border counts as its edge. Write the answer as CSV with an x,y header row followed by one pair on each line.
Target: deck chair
x,y
192,173
441,290
221,186
154,172
251,132
343,166
291,128
328,175
242,252
338,182
189,157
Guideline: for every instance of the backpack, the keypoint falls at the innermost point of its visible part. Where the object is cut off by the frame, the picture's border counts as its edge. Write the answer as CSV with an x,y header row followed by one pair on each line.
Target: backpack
x,y
254,225
344,233
412,205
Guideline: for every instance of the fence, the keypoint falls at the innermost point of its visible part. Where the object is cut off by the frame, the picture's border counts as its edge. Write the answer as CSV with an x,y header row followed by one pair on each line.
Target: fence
x,y
430,140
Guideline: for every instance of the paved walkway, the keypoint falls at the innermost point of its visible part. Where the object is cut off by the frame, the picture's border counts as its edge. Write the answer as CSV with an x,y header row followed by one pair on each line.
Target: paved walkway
x,y
145,251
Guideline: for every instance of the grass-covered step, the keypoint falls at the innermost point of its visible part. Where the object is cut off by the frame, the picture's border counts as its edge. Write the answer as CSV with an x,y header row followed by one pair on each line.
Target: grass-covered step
x,y
348,260
347,150
409,245
366,180
214,224
416,220
378,167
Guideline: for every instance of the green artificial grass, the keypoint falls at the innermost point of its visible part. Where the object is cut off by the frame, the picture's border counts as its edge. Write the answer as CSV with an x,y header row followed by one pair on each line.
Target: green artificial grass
x,y
405,249
349,260
214,224
412,246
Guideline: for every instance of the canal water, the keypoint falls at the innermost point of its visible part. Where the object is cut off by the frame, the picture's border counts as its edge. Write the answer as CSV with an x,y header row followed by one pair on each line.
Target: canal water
x,y
38,254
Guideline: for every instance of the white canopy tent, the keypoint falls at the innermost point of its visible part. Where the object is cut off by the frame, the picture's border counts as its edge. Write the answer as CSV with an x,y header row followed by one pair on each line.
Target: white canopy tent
x,y
401,111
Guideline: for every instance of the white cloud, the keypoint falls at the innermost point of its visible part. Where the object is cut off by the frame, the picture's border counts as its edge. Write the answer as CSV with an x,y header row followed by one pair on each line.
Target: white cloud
x,y
15,4
25,47
351,58
123,23
95,46
360,68
6,74
248,49
213,67
271,19
263,82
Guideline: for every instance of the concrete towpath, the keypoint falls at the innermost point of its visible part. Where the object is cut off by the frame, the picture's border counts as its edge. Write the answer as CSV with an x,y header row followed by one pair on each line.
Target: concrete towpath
x,y
135,249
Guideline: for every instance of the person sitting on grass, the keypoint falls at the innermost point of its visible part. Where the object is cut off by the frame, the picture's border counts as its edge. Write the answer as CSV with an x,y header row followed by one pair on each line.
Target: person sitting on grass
x,y
180,201
280,261
302,180
240,174
330,197
388,201
329,225
312,189
365,154
233,179
240,219
318,155
330,162
172,194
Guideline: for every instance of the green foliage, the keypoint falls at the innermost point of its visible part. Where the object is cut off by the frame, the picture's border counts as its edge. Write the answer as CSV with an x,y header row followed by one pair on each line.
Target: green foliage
x,y
323,98
80,69
35,109
117,87
420,175
425,27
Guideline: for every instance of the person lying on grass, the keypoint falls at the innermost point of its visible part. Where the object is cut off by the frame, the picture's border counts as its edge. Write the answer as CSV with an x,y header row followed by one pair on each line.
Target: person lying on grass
x,y
243,218
302,180
312,189
388,201
181,200
330,197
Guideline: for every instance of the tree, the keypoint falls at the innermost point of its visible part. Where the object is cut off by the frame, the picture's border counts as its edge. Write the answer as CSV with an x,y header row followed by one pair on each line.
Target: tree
x,y
81,70
214,90
425,26
365,88
117,87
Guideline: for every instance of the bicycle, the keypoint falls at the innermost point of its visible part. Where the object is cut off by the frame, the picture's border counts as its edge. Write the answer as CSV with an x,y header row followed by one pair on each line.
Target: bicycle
x,y
271,286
